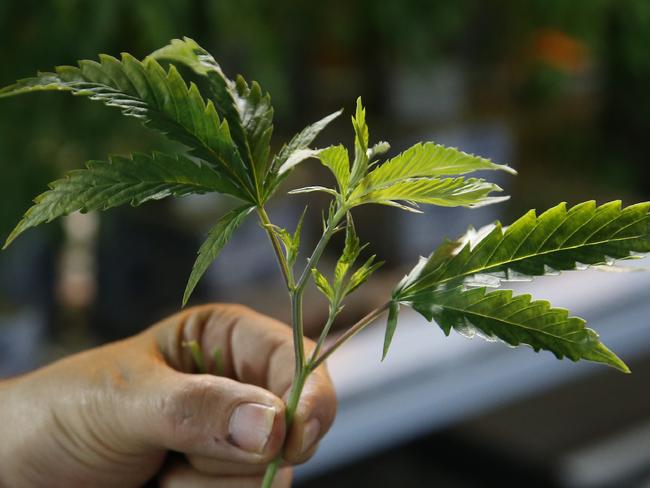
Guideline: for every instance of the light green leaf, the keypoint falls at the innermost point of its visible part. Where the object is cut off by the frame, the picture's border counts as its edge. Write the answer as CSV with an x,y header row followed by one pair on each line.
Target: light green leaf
x,y
300,142
424,160
391,325
360,164
351,251
135,180
322,284
292,252
361,275
218,237
515,320
557,240
336,159
447,192
160,99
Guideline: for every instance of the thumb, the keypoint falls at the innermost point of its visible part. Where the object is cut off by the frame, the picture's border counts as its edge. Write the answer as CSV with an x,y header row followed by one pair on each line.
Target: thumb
x,y
211,416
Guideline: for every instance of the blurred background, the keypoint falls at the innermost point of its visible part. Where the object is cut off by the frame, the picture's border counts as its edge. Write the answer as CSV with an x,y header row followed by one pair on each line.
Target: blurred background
x,y
557,89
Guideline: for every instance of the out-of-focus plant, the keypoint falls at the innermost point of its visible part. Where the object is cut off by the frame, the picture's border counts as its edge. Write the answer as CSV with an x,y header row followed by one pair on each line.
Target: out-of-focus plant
x,y
227,130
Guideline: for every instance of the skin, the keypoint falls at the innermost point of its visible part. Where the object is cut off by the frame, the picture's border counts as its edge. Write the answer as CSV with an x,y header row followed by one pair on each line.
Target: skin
x,y
110,415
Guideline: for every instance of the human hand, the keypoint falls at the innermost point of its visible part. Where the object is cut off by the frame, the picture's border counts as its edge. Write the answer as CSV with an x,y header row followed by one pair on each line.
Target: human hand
x,y
108,416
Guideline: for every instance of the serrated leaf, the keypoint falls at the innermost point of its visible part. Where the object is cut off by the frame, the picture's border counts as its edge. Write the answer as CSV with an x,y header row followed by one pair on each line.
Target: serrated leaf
x,y
447,192
336,159
424,160
217,238
296,151
160,99
361,275
246,108
360,164
296,158
322,284
351,250
557,240
135,180
292,253
391,325
515,320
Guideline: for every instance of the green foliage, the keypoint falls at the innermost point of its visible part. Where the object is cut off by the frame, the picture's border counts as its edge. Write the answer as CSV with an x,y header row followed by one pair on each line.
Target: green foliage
x,y
557,240
291,242
515,320
218,237
135,180
227,132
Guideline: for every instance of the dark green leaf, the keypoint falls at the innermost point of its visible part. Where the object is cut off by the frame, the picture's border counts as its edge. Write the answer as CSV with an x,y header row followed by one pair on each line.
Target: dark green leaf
x,y
161,100
391,325
246,108
218,237
103,185
515,320
555,241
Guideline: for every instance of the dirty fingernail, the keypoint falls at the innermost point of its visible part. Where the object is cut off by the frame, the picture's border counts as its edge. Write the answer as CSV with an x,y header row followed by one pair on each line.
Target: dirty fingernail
x,y
251,425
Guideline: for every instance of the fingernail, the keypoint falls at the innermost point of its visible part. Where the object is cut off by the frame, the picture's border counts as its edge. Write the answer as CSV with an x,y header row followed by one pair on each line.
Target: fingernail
x,y
251,425
310,434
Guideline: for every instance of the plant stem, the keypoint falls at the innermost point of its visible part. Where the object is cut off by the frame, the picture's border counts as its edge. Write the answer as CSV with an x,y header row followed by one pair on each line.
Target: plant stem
x,y
360,325
320,247
296,292
287,274
292,405
323,334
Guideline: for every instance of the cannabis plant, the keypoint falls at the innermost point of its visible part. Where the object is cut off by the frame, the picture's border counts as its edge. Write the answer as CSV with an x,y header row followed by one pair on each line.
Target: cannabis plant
x,y
227,126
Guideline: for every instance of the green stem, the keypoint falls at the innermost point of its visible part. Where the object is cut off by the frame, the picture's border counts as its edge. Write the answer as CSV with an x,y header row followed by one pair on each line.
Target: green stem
x,y
351,332
323,334
287,274
292,405
296,292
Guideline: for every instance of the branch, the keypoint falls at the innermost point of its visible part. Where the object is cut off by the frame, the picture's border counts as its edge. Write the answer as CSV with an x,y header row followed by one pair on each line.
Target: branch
x,y
351,332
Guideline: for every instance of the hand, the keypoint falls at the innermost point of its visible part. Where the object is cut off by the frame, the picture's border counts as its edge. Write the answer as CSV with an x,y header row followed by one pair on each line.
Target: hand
x,y
108,416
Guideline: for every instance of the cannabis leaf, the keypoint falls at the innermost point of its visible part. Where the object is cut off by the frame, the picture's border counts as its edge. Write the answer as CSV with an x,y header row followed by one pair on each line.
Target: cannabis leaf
x,y
249,112
218,237
336,159
135,180
426,160
557,240
361,137
515,320
160,99
247,109
447,192
291,242
343,283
